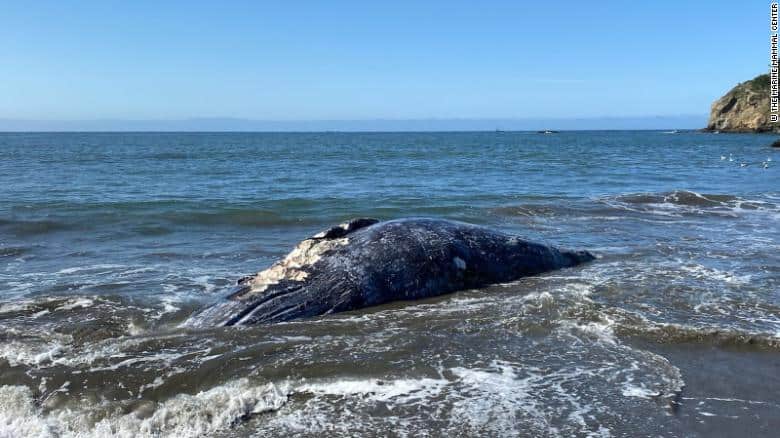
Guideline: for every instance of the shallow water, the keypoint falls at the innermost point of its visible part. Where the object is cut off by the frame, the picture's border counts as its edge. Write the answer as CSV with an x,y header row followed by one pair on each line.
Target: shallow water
x,y
109,241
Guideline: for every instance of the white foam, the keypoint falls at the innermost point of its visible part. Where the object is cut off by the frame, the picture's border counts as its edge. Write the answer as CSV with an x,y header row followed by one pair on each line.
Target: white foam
x,y
671,205
499,400
205,282
401,390
76,303
24,305
59,350
158,381
27,353
168,306
39,314
499,390
630,390
184,415
601,330
704,272
18,417
97,267
14,307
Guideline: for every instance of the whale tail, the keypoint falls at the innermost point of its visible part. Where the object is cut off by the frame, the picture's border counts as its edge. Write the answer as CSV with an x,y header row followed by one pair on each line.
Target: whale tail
x,y
577,257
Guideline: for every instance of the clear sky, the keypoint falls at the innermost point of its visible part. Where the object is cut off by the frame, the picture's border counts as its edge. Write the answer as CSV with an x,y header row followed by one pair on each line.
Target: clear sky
x,y
295,60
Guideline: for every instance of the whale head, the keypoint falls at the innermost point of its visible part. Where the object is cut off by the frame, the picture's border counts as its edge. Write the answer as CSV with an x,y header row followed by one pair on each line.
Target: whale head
x,y
577,257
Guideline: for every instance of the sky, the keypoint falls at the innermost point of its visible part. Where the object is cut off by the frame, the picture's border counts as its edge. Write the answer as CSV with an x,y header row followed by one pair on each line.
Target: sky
x,y
364,60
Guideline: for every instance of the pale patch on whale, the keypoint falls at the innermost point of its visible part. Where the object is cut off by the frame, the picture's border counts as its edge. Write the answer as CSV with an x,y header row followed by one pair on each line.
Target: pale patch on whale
x,y
292,266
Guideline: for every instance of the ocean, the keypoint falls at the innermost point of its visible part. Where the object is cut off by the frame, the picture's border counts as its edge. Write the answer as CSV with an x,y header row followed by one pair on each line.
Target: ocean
x,y
109,241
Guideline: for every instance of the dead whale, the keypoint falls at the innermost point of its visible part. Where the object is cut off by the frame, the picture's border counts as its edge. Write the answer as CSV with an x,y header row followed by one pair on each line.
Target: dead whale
x,y
365,262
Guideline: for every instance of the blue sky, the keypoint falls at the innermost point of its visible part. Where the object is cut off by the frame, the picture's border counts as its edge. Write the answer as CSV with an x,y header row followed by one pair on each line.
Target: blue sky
x,y
289,60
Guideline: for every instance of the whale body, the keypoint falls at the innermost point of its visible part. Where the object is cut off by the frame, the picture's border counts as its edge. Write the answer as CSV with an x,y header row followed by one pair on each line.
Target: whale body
x,y
365,262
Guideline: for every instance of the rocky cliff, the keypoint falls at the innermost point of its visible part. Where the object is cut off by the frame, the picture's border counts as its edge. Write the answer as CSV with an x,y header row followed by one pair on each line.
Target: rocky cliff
x,y
744,109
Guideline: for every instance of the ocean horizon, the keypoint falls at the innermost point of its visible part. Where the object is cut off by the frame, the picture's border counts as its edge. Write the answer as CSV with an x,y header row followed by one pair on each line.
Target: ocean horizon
x,y
367,125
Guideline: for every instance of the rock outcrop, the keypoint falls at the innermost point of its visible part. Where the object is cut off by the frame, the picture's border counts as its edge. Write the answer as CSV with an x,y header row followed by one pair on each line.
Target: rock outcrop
x,y
744,109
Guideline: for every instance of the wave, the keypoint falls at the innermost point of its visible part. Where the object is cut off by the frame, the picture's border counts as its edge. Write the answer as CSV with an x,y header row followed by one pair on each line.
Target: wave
x,y
161,217
14,251
201,414
498,399
22,228
172,156
157,218
683,203
672,333
679,197
153,218
662,205
560,386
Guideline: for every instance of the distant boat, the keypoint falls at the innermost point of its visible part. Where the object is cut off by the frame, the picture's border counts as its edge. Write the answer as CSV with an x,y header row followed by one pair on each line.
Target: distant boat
x,y
547,131
676,131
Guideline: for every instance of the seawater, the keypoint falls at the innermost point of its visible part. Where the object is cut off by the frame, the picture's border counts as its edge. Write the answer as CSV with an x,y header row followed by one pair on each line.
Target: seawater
x,y
108,241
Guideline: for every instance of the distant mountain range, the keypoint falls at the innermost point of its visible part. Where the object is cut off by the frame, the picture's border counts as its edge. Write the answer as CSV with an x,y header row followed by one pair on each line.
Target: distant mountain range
x,y
248,125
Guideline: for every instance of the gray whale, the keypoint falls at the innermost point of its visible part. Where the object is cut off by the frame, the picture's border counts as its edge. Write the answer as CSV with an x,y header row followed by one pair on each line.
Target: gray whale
x,y
365,262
